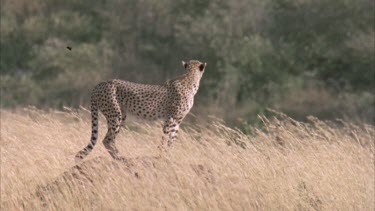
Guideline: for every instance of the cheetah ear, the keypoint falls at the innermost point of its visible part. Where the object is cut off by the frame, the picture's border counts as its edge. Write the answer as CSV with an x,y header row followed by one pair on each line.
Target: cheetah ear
x,y
202,66
184,64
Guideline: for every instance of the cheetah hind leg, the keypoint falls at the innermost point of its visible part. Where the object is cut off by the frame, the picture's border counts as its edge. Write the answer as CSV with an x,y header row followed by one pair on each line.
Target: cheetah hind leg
x,y
109,141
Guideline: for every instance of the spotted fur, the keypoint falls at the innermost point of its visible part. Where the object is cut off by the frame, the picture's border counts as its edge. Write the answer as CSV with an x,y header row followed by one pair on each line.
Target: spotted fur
x,y
116,99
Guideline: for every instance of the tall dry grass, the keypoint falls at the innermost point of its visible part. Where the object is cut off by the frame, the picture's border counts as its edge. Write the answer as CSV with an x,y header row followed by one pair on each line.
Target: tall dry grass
x,y
286,165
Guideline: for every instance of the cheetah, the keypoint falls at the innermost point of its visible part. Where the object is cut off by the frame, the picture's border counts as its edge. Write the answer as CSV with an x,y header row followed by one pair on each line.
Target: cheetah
x,y
170,102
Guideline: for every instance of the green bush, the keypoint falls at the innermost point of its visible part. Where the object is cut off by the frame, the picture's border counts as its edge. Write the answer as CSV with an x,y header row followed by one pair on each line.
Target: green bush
x,y
260,54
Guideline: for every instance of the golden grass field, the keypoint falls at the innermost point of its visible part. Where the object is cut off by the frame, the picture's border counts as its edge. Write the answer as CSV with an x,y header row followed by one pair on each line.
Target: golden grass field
x,y
285,165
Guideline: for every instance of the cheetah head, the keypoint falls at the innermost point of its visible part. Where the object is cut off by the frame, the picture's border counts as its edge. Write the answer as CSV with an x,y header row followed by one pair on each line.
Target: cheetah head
x,y
195,67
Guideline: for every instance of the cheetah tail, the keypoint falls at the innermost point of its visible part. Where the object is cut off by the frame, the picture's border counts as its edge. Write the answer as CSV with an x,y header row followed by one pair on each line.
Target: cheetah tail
x,y
94,135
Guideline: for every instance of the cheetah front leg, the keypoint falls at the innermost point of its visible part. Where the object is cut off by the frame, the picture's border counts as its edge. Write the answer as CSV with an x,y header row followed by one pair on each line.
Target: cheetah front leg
x,y
170,130
123,117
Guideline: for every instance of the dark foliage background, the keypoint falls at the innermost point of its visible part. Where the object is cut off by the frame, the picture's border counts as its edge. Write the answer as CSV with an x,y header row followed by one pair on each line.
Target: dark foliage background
x,y
303,57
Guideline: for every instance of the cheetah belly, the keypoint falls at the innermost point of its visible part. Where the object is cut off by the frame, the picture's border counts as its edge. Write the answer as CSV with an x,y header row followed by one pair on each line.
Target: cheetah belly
x,y
153,111
149,104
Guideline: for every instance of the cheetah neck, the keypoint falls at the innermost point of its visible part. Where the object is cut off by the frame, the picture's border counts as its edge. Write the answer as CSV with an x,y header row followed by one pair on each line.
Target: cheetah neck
x,y
191,81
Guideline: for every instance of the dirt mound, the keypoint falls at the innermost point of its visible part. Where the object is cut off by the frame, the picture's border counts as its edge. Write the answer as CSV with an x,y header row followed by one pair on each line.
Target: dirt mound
x,y
87,175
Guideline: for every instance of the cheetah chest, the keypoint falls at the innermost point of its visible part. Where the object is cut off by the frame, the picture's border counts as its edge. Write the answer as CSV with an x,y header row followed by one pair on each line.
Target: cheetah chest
x,y
185,104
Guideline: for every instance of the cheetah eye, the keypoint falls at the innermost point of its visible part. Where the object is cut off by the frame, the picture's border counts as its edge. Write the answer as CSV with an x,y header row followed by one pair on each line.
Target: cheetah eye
x,y
201,67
